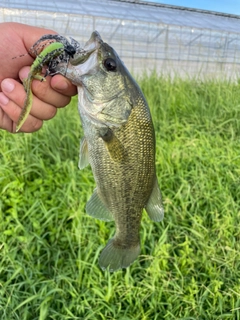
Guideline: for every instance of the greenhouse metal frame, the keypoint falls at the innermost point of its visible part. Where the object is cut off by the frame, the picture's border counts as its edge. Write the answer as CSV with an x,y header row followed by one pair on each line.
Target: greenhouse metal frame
x,y
147,36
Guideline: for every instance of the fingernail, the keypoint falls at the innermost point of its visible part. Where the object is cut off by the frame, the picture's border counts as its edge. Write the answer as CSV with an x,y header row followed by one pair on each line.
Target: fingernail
x,y
7,85
3,99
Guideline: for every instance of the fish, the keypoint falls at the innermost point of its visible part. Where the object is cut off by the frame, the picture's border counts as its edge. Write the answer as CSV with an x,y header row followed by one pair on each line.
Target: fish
x,y
119,144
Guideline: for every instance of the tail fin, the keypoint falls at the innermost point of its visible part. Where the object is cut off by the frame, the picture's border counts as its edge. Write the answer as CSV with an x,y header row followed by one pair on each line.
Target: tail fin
x,y
115,257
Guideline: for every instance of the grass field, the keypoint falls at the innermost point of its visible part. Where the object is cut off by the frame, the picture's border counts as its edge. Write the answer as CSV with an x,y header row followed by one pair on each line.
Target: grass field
x,y
189,267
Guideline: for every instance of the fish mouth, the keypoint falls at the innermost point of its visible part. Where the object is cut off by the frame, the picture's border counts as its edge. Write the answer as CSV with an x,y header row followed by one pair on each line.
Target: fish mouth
x,y
84,60
92,45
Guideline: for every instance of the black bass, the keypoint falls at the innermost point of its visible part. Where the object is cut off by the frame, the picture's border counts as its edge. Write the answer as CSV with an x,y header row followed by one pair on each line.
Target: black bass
x,y
119,144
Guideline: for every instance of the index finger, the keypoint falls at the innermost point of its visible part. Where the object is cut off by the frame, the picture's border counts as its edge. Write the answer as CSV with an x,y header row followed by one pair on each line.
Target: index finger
x,y
30,34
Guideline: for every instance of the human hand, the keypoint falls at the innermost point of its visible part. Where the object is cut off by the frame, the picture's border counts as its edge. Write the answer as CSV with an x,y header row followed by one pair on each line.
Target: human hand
x,y
55,92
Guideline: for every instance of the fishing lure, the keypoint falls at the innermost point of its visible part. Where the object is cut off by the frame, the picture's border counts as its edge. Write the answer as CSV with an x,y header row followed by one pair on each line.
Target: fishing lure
x,y
50,53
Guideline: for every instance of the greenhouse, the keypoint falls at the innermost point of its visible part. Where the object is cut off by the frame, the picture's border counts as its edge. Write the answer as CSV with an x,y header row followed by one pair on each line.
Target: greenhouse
x,y
56,221
146,35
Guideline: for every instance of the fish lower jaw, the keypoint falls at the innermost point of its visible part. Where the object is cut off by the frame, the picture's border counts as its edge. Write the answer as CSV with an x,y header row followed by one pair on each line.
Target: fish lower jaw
x,y
114,257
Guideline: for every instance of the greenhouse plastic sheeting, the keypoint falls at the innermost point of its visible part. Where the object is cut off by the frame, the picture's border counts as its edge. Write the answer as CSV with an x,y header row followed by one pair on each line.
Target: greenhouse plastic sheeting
x,y
146,35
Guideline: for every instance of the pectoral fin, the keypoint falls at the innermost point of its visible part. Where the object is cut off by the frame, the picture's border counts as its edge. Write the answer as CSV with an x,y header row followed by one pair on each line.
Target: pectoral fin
x,y
83,154
113,145
154,206
97,209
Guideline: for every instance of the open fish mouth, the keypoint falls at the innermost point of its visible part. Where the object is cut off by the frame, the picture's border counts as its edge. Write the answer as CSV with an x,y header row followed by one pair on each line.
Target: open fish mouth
x,y
81,63
91,45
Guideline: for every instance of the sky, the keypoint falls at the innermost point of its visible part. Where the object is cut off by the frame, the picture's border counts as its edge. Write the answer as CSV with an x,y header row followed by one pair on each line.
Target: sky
x,y
226,6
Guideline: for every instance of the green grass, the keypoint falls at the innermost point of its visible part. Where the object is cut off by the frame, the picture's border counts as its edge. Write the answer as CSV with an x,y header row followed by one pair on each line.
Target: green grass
x,y
189,266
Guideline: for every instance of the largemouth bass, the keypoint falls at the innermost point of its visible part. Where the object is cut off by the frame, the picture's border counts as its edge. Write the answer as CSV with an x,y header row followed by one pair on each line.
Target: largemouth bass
x,y
119,144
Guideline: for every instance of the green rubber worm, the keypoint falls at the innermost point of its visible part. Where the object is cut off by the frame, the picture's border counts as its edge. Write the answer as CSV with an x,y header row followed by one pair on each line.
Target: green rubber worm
x,y
52,51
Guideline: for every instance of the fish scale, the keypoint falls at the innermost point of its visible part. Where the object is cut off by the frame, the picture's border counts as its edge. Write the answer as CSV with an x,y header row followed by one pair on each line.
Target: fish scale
x,y
132,179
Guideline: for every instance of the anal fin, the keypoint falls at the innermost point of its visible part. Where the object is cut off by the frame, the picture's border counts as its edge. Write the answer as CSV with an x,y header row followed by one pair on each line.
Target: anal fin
x,y
154,206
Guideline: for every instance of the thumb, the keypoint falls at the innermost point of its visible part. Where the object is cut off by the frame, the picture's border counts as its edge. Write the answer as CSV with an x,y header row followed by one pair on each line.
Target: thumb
x,y
63,85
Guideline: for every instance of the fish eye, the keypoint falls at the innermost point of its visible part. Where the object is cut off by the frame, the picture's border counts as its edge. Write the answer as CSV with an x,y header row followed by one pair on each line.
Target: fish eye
x,y
110,64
